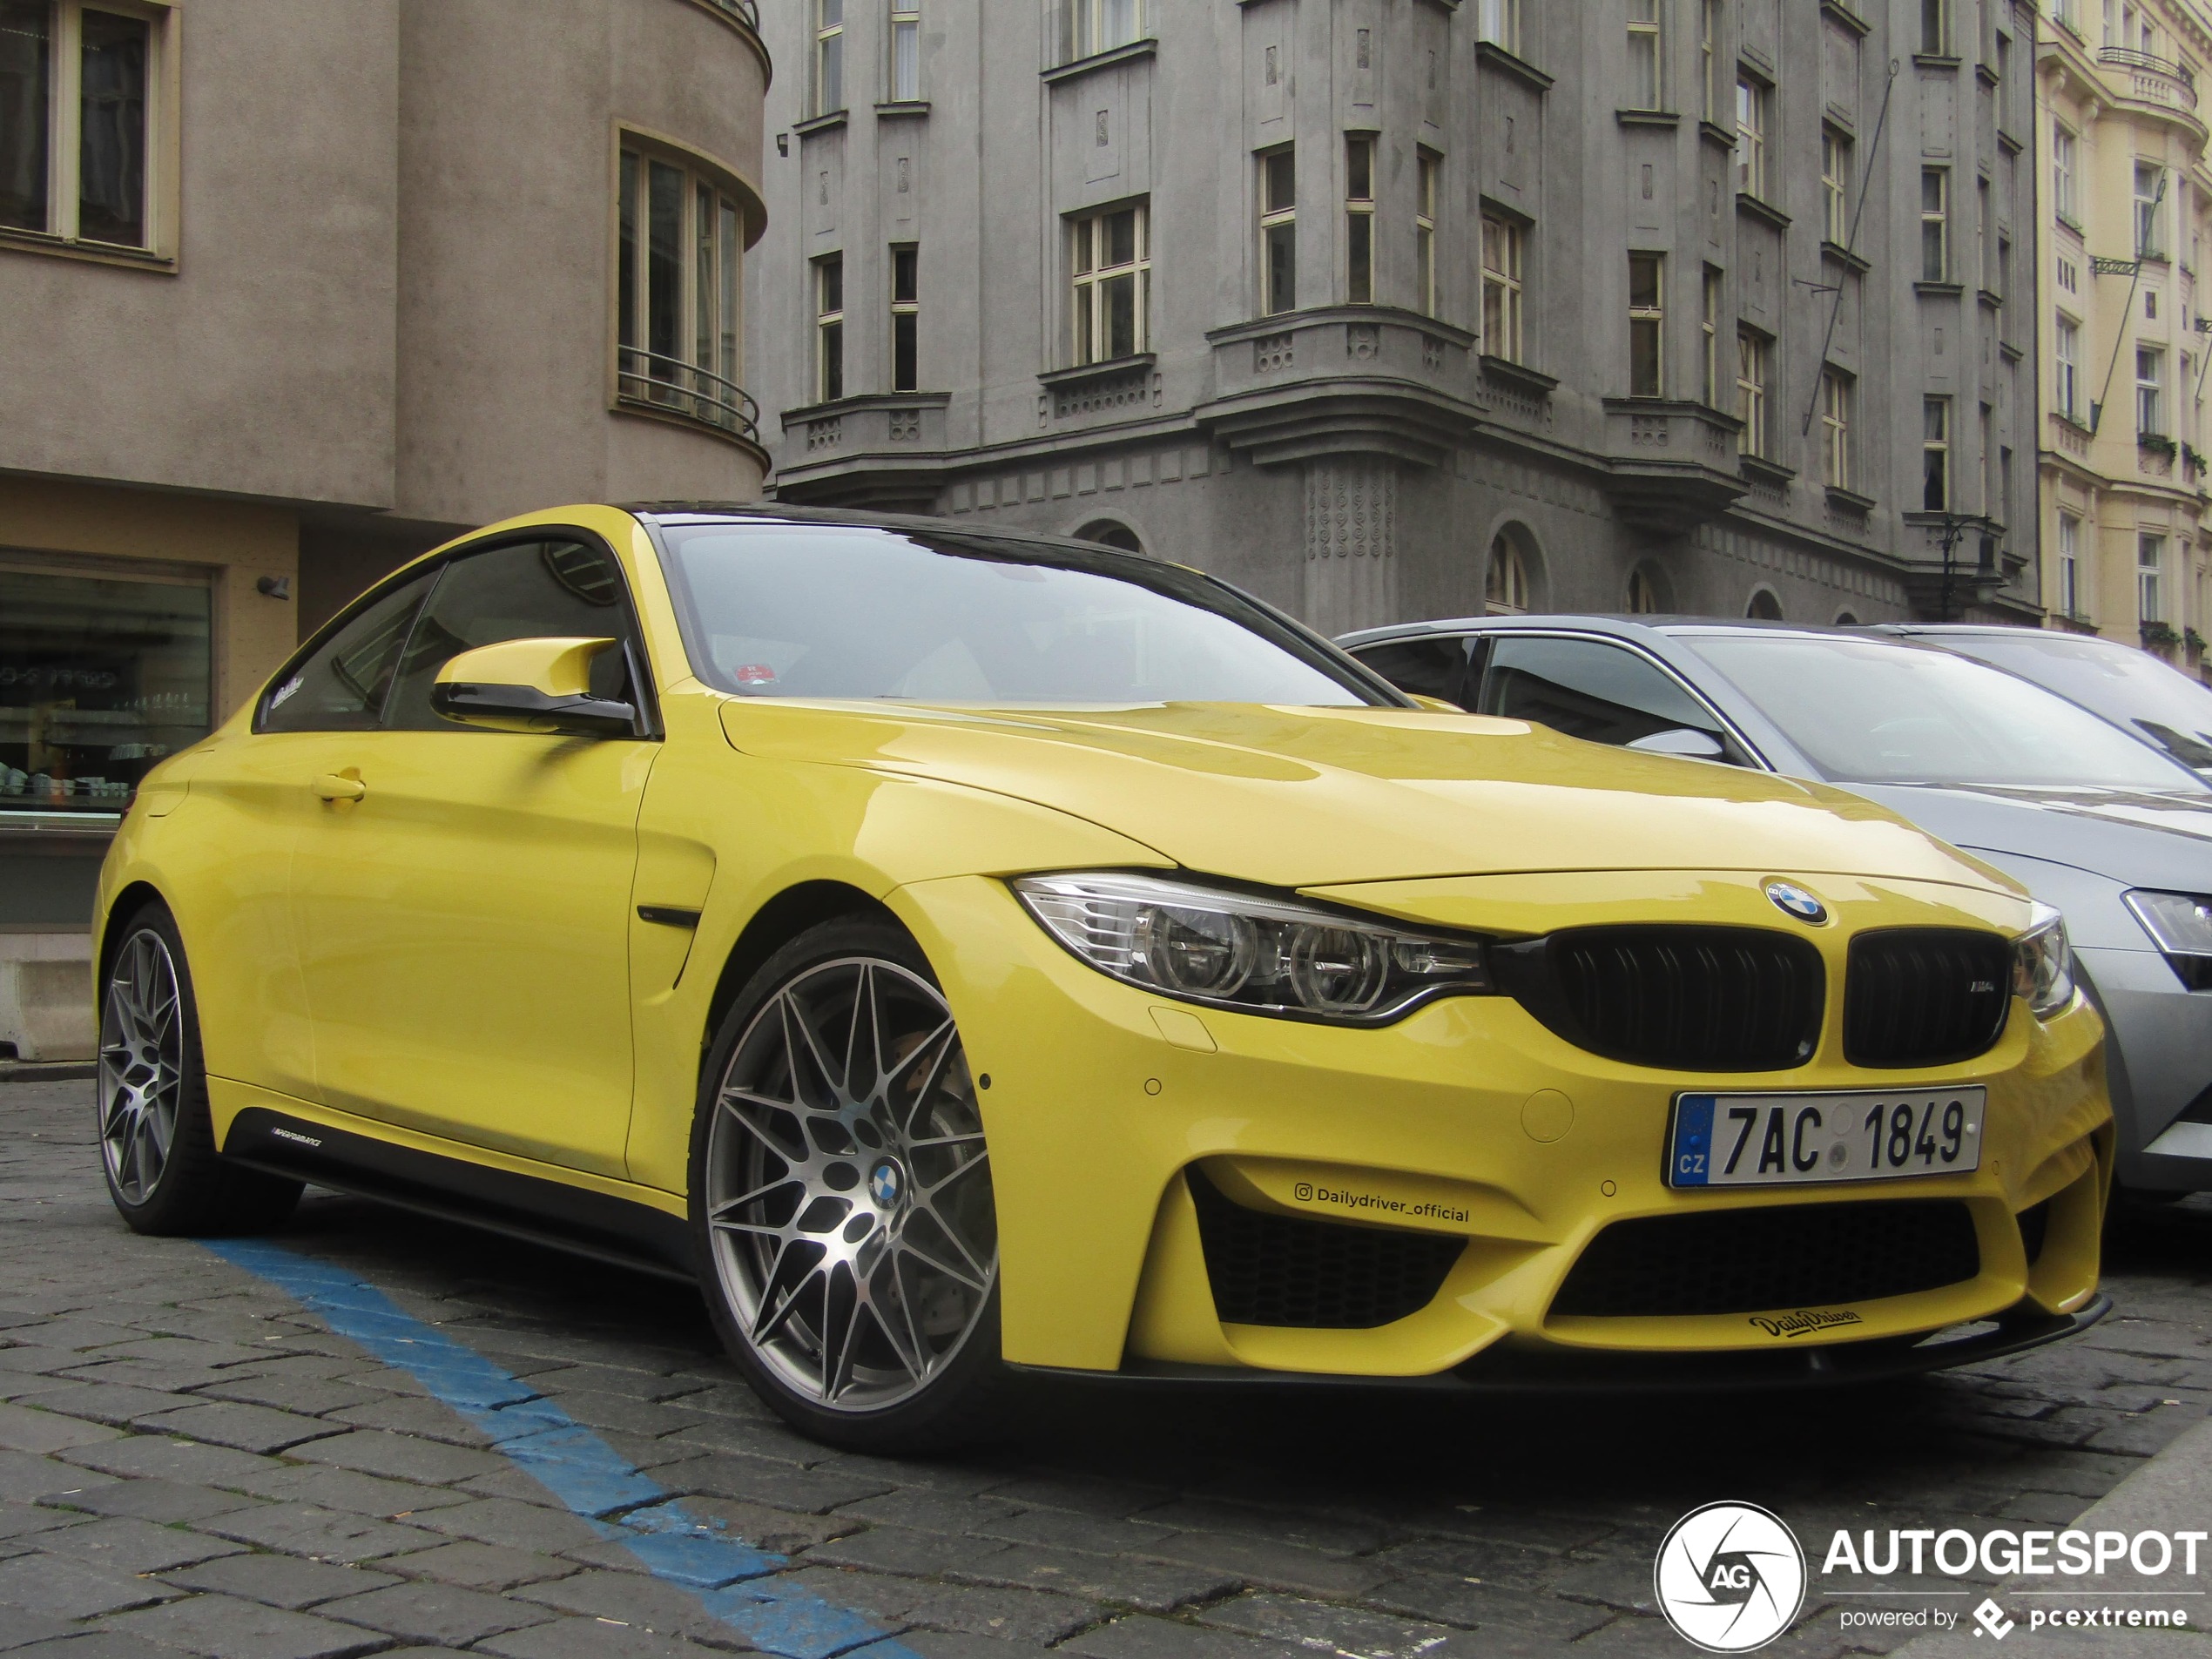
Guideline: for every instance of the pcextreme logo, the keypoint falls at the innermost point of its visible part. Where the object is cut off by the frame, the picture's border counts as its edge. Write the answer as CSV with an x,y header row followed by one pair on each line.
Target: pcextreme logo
x,y
1730,1577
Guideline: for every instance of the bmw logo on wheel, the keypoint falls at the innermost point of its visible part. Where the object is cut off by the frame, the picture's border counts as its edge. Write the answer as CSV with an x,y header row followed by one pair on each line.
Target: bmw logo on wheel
x,y
884,1185
1795,900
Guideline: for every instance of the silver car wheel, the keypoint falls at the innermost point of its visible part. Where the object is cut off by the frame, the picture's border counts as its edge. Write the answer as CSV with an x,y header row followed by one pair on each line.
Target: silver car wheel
x,y
142,1065
848,1188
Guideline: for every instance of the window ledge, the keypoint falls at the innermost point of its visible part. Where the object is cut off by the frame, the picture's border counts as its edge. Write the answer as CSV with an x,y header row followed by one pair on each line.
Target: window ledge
x,y
1850,500
1845,257
1985,75
861,401
815,123
1113,55
1850,19
1937,60
1989,298
1753,208
1714,132
1108,370
2008,143
2070,222
93,253
1760,470
898,106
647,408
2012,351
1939,290
1489,51
1648,117
1519,375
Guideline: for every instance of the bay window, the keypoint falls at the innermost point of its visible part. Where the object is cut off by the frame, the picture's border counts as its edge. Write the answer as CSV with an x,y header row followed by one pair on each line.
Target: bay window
x,y
679,292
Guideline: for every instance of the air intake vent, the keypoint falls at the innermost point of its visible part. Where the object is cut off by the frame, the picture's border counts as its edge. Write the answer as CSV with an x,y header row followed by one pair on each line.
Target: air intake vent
x,y
1691,999
1758,1261
1925,996
1318,1275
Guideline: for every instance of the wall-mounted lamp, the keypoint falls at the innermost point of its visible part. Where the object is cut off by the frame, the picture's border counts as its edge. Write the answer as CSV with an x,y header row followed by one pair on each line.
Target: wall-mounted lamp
x,y
274,587
782,144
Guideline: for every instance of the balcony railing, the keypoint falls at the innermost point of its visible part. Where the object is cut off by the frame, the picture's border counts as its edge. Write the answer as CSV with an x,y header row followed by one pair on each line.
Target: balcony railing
x,y
746,11
686,389
2151,75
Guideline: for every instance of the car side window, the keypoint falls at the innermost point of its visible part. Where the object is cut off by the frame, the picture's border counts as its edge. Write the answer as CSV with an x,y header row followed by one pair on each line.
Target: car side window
x,y
1588,688
1432,665
341,685
523,590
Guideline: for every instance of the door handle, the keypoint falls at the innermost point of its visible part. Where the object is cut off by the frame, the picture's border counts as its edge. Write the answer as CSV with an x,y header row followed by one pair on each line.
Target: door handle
x,y
334,788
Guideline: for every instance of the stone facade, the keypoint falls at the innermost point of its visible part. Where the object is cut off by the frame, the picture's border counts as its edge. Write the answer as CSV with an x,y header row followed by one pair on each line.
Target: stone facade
x,y
1381,447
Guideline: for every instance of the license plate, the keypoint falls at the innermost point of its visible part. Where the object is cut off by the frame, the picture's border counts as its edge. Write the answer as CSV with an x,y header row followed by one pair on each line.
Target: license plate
x,y
1801,1139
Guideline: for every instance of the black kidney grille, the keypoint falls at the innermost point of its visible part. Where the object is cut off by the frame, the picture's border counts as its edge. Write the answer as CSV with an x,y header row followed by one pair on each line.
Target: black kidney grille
x,y
1925,996
1757,1261
1702,999
1318,1275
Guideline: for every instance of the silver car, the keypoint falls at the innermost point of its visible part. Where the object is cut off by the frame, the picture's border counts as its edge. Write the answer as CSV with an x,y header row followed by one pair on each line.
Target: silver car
x,y
2109,830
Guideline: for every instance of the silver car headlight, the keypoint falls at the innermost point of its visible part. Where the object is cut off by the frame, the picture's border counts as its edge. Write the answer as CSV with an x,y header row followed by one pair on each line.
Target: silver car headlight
x,y
2043,964
2180,923
1248,951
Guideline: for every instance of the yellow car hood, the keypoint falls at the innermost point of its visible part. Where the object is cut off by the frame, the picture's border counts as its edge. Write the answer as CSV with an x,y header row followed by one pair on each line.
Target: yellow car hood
x,y
1299,797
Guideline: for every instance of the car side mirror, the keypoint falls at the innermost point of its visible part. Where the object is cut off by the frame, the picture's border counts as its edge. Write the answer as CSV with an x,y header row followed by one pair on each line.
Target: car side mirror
x,y
1683,741
540,685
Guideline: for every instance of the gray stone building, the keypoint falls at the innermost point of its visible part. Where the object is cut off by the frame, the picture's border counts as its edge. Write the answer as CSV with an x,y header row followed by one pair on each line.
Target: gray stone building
x,y
1393,308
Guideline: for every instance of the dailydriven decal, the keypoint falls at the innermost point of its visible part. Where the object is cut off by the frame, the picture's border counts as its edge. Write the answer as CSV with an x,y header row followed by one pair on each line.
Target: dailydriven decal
x,y
739,1585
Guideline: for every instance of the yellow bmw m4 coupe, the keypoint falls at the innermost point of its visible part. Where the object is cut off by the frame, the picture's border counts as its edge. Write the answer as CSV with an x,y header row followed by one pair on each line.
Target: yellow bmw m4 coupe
x,y
963,952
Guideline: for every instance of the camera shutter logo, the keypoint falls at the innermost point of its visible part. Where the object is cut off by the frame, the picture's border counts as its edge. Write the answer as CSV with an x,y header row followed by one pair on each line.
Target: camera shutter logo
x,y
1731,1577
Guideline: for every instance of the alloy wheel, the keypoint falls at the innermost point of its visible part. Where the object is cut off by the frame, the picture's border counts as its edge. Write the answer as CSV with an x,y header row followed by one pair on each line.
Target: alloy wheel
x,y
848,1190
142,1065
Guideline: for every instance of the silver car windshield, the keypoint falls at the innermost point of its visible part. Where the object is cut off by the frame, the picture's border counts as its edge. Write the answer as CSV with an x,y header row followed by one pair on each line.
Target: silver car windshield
x,y
2117,681
837,611
1867,711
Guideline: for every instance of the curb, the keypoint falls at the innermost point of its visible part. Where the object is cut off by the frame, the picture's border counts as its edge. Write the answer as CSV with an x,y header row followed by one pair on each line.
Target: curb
x,y
47,1072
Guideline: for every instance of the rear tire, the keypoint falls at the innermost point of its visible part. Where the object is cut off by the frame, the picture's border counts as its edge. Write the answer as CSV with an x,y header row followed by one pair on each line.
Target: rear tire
x,y
157,1138
841,1200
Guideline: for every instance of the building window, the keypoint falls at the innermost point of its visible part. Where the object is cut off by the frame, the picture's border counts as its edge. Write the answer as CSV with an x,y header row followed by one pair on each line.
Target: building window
x,y
1750,136
1709,58
1935,225
1505,587
1935,28
1278,232
2150,305
2150,186
679,292
1647,325
1754,370
2069,277
79,91
1935,455
2151,568
906,50
2066,360
1834,428
905,319
1643,593
1112,267
1425,233
2062,172
1501,287
100,678
1708,322
1991,500
1834,187
1360,219
829,327
1644,55
1985,237
2150,395
2004,268
829,56
1500,23
2070,565
1094,26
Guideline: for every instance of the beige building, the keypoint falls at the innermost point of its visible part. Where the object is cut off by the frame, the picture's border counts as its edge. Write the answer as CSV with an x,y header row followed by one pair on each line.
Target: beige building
x,y
291,290
2125,207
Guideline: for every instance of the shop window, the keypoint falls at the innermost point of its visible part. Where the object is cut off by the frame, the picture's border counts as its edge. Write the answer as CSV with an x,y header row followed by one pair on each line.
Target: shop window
x,y
100,678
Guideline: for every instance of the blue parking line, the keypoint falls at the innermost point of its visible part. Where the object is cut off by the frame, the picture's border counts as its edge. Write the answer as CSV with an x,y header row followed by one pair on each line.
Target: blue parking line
x,y
745,1588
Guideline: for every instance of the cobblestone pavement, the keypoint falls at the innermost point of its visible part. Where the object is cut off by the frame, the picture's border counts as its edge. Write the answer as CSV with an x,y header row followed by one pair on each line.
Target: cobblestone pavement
x,y
189,1461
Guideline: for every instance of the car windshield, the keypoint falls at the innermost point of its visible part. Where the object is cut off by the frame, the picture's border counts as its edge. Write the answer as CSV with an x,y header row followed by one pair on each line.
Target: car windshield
x,y
2117,681
854,612
1868,711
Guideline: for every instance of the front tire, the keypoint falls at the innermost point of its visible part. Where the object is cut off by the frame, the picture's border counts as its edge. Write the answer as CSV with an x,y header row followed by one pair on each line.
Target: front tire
x,y
841,1197
157,1138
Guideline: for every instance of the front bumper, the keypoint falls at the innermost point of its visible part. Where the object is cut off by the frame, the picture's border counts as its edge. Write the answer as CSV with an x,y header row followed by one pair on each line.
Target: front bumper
x,y
2160,1059
1470,1120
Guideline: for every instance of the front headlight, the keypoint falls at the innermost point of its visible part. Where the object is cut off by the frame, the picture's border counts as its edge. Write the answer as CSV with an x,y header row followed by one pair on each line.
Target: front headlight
x,y
1242,951
2180,923
2043,964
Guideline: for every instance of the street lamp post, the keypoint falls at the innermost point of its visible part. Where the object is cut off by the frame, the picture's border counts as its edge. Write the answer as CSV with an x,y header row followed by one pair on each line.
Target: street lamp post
x,y
1955,525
